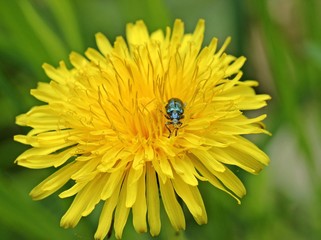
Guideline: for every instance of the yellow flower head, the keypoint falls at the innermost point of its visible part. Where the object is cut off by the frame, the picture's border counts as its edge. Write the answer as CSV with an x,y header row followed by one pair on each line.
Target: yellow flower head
x,y
142,122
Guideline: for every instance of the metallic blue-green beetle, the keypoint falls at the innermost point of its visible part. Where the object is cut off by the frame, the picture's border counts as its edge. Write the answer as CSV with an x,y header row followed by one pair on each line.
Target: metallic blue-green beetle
x,y
175,112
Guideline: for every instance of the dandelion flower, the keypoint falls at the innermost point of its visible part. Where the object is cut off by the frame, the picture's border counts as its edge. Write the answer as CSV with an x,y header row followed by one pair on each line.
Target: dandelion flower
x,y
109,127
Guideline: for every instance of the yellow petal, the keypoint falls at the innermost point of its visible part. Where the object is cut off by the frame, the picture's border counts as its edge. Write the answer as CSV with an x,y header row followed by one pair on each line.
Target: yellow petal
x,y
182,189
140,206
177,34
77,60
121,213
54,181
224,46
103,44
60,75
213,179
44,161
106,216
152,201
84,203
208,160
137,34
115,179
36,157
171,205
45,93
77,187
235,66
165,167
232,182
94,190
185,169
95,57
132,188
244,146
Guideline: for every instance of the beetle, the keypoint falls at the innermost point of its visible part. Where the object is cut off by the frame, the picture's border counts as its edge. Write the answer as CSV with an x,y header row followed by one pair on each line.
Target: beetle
x,y
174,113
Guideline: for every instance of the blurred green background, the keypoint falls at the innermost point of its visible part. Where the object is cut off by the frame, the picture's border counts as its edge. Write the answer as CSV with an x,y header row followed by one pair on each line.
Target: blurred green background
x,y
282,42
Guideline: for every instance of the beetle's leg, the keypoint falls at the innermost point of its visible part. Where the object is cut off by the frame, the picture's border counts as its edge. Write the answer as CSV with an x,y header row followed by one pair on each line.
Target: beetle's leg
x,y
177,126
176,129
170,132
166,115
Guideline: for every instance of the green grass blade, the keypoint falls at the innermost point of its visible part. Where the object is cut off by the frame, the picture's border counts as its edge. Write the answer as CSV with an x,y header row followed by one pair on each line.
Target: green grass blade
x,y
51,42
65,16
